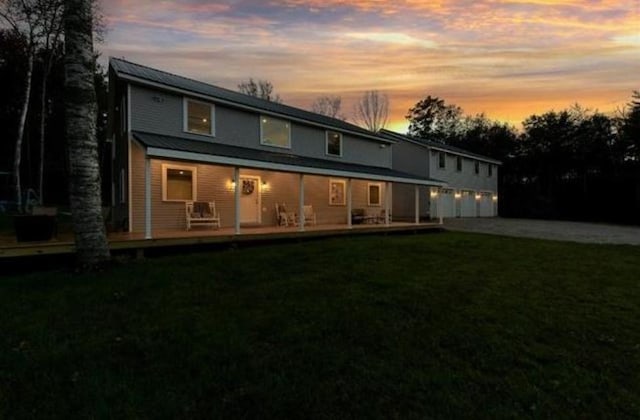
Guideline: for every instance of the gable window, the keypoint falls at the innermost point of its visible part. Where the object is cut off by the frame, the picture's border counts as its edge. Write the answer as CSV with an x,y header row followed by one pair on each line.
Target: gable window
x,y
459,163
477,167
334,143
489,170
178,183
275,132
198,117
374,194
442,162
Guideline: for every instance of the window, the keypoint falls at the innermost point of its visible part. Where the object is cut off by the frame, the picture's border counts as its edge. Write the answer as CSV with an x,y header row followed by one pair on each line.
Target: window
x,y
442,162
198,117
459,163
374,194
178,183
489,170
275,132
477,167
334,143
337,195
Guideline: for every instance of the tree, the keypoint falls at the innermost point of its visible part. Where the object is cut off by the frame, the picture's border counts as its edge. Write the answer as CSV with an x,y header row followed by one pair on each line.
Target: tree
x,y
262,89
631,127
372,110
84,172
24,19
51,10
432,119
329,106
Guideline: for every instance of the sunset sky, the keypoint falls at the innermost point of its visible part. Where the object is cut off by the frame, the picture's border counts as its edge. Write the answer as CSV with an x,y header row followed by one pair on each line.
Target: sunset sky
x,y
507,58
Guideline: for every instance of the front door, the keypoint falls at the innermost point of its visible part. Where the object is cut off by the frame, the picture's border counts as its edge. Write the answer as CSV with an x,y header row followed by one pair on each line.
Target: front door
x,y
250,199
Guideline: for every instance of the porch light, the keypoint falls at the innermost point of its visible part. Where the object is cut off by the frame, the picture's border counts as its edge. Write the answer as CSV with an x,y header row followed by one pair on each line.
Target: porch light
x,y
478,196
265,186
434,194
458,195
495,198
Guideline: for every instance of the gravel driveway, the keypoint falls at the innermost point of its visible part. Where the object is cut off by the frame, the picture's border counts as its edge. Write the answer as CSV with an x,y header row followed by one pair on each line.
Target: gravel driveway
x,y
549,229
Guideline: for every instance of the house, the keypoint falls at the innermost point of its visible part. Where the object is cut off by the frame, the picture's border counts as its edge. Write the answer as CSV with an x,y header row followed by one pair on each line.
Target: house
x,y
472,180
177,140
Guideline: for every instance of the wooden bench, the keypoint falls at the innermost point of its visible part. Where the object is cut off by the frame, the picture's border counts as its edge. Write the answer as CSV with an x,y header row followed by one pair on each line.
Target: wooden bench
x,y
202,213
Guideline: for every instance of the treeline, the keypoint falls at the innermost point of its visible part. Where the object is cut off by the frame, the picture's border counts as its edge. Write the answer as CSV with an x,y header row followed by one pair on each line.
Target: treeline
x,y
13,68
573,164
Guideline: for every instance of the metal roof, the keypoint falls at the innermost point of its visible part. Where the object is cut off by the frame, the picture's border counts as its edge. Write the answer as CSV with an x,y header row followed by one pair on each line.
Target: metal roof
x,y
432,144
199,150
127,70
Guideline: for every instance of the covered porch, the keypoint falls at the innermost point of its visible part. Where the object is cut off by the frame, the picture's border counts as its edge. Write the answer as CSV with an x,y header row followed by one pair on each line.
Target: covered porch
x,y
248,187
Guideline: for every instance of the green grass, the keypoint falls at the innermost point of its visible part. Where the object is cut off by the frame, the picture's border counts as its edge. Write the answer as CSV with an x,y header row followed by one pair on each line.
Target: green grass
x,y
427,326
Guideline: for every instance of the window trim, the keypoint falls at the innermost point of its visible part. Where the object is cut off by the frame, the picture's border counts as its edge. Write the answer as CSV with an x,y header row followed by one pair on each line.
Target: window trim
x,y
194,181
342,182
262,142
459,163
444,160
185,116
374,184
326,141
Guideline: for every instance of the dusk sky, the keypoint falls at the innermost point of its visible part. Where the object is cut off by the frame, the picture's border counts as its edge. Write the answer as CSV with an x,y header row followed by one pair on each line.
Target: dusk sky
x,y
507,58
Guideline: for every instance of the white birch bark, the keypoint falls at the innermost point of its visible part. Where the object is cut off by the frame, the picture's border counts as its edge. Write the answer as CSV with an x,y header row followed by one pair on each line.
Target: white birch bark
x,y
80,113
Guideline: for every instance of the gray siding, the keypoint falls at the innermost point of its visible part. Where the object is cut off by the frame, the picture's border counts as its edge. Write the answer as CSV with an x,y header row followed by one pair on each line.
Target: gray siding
x,y
404,203
411,158
466,179
160,112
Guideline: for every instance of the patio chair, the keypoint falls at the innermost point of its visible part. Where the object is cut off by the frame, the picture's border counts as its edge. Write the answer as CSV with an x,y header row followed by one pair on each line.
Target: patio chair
x,y
309,215
202,213
284,217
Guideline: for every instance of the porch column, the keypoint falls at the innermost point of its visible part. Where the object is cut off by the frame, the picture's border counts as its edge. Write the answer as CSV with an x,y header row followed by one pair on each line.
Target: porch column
x,y
439,205
236,179
301,205
349,204
417,203
147,198
387,199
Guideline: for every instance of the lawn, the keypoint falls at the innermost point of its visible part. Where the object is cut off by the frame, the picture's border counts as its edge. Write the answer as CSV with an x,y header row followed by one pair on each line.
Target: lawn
x,y
446,325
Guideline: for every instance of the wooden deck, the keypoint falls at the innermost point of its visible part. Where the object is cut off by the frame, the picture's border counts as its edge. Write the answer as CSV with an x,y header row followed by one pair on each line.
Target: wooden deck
x,y
136,243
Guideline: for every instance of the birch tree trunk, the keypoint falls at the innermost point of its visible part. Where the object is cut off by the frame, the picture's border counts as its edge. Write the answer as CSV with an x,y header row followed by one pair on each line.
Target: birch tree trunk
x,y
17,157
80,113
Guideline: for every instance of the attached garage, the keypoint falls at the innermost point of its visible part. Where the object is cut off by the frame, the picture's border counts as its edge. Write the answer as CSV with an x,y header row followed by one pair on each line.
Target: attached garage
x,y
467,204
446,204
486,205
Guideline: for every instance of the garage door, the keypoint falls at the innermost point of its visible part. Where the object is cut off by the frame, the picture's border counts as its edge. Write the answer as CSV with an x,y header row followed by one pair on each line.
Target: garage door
x,y
486,205
447,203
468,204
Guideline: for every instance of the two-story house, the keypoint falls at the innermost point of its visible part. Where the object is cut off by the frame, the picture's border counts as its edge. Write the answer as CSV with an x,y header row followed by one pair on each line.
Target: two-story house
x,y
177,140
472,180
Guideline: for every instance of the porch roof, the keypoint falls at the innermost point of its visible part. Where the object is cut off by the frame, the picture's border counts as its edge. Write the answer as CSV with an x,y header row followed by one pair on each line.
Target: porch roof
x,y
169,147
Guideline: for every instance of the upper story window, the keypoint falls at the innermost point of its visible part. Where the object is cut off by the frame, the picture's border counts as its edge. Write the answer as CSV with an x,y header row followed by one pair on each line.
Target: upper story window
x,y
459,163
442,161
179,182
198,117
476,167
334,143
275,132
489,170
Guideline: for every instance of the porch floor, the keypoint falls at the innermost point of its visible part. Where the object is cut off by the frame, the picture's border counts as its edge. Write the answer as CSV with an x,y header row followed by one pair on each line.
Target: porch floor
x,y
123,241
